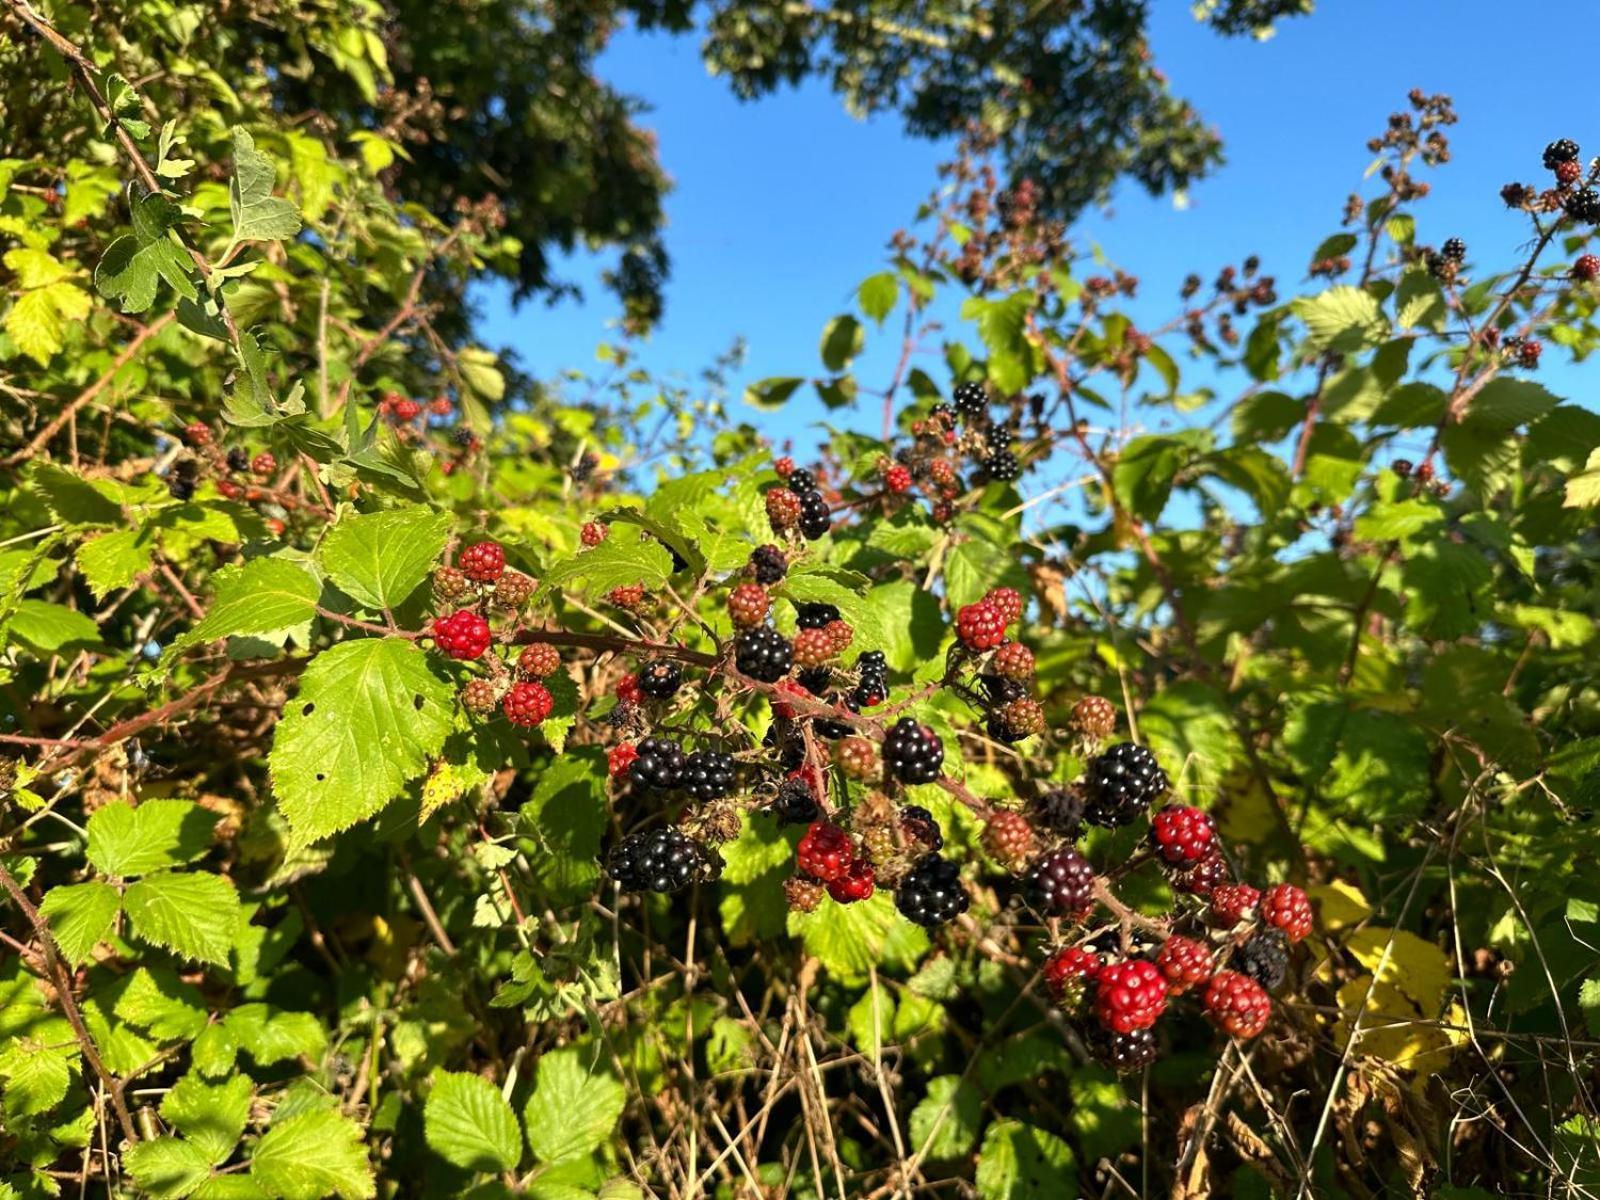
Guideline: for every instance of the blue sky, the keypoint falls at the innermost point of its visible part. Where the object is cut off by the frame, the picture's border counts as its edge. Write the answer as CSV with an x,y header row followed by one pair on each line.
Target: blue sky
x,y
782,206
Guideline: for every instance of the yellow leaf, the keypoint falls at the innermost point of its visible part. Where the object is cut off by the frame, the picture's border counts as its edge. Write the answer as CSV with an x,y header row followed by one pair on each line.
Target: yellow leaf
x,y
1339,905
1418,968
1393,1029
38,319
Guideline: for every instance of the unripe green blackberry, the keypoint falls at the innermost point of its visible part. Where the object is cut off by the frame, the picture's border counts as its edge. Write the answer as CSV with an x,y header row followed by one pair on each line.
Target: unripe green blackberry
x,y
449,583
1016,720
512,590
478,697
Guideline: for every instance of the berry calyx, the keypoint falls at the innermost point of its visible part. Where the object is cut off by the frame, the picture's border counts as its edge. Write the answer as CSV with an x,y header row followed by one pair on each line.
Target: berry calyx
x,y
462,635
825,852
483,562
538,660
1182,834
1237,1004
748,605
527,703
1184,962
1288,908
1130,995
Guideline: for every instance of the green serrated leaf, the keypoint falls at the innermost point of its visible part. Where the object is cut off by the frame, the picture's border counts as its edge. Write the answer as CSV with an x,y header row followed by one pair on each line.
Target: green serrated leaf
x,y
125,841
313,1155
368,716
575,1105
258,215
80,916
471,1124
134,265
1021,1162
211,1116
167,1168
379,559
194,914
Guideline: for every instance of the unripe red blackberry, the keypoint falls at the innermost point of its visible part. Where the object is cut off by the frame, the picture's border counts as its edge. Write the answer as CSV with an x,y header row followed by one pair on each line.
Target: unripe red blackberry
x,y
1232,903
1568,173
783,510
1289,909
825,852
527,703
538,660
483,562
264,465
1008,838
630,596
619,759
783,466
1237,1004
512,590
813,647
1130,995
802,895
1013,661
898,479
942,471
1183,963
478,697
628,691
857,757
593,533
1587,268
449,583
197,434
856,883
462,635
1528,352
980,626
1007,602
1066,972
1015,720
1060,883
840,634
1093,717
1182,834
748,605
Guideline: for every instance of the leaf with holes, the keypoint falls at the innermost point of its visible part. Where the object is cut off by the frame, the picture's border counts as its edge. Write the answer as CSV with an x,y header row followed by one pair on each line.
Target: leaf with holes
x,y
369,715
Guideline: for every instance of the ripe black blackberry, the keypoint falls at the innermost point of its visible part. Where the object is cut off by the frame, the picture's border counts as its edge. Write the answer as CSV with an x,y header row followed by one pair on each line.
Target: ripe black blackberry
x,y
1061,811
1002,466
816,680
768,565
658,860
1121,1052
802,482
815,616
1121,784
180,487
763,654
708,774
931,893
1453,250
238,460
913,752
972,401
462,435
872,668
1559,151
659,766
1001,690
1265,958
660,679
1584,205
795,803
815,516
942,412
1000,437
1060,882
785,741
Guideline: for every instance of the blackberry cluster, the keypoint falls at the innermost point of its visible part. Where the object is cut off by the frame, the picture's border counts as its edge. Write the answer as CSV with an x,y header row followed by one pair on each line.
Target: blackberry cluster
x,y
1265,958
660,764
913,752
659,860
763,654
708,775
660,679
931,894
1060,882
768,565
1121,785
